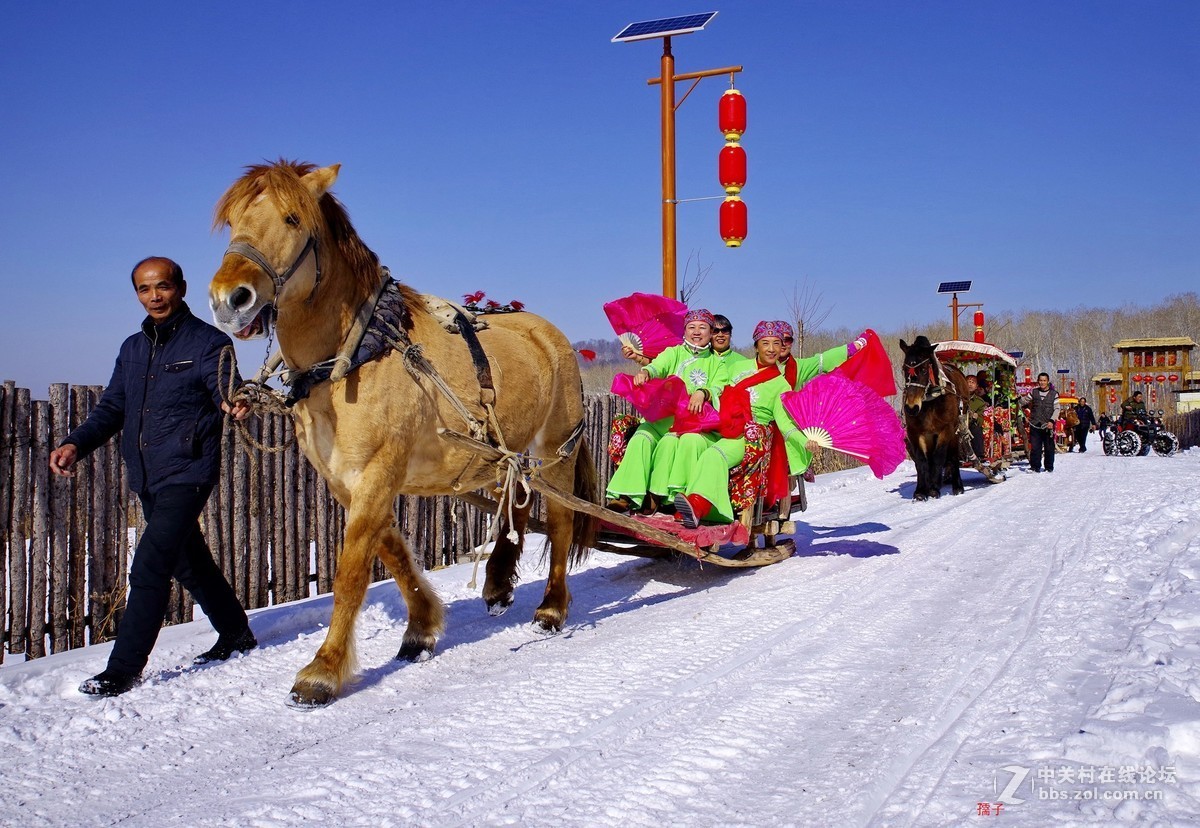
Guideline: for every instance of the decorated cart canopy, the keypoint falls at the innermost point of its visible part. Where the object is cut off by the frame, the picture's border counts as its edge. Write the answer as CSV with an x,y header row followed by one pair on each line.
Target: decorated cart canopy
x,y
962,350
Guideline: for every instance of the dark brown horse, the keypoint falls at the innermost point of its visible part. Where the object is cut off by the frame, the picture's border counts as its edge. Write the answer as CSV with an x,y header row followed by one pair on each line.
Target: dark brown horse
x,y
931,418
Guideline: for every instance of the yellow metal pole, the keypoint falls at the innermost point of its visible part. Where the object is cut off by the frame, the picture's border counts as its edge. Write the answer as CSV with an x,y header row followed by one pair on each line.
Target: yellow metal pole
x,y
668,169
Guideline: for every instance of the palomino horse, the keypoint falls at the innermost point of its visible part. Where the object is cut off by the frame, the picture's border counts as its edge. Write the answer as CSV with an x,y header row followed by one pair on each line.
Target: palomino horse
x,y
295,260
931,418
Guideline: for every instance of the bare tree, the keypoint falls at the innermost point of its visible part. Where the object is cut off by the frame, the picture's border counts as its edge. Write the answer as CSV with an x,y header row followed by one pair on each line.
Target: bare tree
x,y
807,307
689,286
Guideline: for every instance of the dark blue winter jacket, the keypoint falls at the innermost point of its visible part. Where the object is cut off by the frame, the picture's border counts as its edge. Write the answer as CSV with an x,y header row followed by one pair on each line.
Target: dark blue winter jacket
x,y
164,397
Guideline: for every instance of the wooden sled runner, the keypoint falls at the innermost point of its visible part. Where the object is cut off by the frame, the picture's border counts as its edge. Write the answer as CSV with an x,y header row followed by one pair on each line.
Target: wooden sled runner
x,y
654,536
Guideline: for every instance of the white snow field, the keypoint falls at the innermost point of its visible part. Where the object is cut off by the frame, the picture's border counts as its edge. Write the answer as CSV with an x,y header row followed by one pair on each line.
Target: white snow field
x,y
1027,654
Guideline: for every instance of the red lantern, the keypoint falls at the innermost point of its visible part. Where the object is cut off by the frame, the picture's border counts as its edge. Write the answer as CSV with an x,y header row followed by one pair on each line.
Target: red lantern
x,y
733,221
731,168
1160,378
731,115
1072,388
1171,359
1161,360
979,326
1137,360
1153,396
1173,377
1028,376
1112,397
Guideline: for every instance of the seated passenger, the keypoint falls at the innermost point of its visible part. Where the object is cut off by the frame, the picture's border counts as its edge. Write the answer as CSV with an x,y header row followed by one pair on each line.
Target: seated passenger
x,y
694,362
975,404
722,341
706,494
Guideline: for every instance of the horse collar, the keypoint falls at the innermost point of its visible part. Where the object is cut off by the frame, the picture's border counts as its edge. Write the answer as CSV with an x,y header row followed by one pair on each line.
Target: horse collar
x,y
249,251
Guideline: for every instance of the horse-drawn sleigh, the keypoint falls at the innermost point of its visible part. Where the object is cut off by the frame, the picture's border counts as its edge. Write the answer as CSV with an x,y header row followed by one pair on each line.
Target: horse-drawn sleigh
x,y
734,544
393,392
939,416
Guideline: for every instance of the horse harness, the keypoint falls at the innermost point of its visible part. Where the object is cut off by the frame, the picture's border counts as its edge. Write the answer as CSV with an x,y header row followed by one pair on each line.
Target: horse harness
x,y
249,251
380,327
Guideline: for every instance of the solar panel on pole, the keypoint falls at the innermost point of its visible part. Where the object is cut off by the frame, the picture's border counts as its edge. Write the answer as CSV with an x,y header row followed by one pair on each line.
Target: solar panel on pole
x,y
954,287
664,27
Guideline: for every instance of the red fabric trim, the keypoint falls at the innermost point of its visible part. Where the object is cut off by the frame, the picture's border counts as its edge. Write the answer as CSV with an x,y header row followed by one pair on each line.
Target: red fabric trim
x,y
735,403
777,471
871,367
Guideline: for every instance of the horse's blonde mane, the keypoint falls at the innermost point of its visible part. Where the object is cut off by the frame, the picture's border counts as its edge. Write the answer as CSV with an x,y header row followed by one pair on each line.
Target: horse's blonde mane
x,y
325,218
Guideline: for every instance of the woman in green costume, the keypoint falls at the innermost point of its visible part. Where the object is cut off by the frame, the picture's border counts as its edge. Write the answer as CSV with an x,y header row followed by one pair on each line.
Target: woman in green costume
x,y
694,362
706,495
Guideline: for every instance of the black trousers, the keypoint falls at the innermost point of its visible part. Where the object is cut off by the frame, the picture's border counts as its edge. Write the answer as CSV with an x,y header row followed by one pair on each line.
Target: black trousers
x,y
1041,448
1081,433
171,547
976,439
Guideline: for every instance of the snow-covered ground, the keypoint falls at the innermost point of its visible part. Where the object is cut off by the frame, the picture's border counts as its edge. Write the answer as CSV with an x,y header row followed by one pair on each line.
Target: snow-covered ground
x,y
1026,654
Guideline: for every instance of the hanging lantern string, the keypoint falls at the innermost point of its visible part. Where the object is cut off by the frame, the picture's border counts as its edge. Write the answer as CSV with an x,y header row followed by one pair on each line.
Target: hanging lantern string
x,y
686,200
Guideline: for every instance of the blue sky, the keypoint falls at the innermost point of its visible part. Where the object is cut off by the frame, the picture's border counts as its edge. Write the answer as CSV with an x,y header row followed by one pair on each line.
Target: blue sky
x,y
1049,151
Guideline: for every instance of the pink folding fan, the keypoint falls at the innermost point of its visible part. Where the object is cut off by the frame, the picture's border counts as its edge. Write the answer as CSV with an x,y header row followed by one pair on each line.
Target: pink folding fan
x,y
849,417
647,322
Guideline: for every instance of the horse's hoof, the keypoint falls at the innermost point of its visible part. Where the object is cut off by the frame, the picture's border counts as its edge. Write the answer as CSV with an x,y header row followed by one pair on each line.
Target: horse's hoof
x,y
917,498
957,491
418,649
548,622
499,606
306,697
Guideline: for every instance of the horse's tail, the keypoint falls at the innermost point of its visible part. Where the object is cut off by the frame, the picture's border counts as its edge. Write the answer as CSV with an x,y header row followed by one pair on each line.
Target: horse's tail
x,y
583,534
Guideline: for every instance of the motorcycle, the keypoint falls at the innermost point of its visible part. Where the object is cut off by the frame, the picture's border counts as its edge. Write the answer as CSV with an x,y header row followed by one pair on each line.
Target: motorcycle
x,y
1138,435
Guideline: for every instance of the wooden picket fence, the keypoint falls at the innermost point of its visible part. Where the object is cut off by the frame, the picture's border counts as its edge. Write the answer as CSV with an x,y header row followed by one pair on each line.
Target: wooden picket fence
x,y
272,525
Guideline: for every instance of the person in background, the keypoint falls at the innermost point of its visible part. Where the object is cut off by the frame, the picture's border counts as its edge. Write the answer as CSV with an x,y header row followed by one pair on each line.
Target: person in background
x,y
1087,422
1133,408
166,396
1041,403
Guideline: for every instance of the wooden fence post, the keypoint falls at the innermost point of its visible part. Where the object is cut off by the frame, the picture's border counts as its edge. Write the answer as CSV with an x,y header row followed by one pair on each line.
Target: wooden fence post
x,y
60,522
18,528
8,490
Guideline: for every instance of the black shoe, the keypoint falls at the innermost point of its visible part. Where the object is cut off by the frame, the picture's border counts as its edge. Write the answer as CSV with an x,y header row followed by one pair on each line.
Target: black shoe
x,y
620,505
243,642
110,683
1050,470
685,512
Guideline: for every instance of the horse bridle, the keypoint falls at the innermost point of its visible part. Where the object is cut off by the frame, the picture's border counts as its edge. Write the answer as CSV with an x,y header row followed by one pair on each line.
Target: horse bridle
x,y
249,251
911,379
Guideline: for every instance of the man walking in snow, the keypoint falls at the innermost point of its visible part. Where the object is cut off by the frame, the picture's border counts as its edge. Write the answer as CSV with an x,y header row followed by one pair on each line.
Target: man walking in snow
x,y
1042,403
165,396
